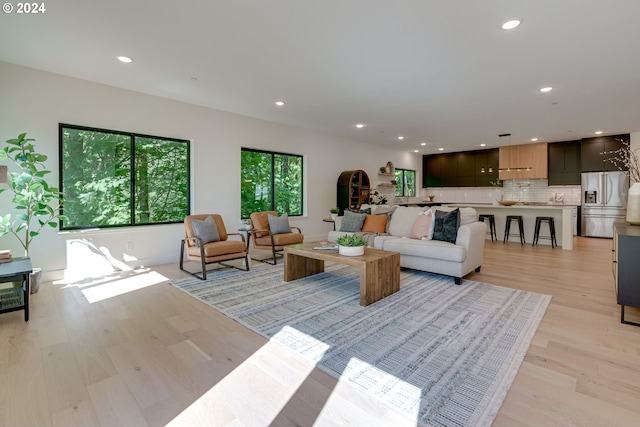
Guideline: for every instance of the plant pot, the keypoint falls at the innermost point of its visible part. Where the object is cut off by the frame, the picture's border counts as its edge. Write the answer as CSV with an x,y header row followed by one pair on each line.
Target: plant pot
x,y
351,250
334,216
34,279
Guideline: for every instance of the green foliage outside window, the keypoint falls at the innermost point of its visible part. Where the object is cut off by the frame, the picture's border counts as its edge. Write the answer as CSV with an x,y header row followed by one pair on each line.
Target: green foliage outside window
x,y
405,183
111,178
270,182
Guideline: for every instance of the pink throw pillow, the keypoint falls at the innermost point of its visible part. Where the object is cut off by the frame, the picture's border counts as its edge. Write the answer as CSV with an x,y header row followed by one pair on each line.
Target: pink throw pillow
x,y
422,226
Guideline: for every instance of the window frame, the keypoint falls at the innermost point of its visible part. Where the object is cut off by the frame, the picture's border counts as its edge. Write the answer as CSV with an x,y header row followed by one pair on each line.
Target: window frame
x,y
132,175
272,178
401,183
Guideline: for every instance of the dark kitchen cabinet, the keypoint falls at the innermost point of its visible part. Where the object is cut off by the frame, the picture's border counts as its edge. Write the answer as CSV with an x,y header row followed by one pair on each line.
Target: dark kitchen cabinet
x,y
463,169
565,163
486,169
449,169
431,171
597,153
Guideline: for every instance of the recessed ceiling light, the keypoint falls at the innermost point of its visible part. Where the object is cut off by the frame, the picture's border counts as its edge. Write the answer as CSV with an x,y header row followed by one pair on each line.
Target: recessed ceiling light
x,y
423,143
360,125
440,149
125,59
546,89
599,132
534,139
416,151
483,145
280,103
401,137
510,24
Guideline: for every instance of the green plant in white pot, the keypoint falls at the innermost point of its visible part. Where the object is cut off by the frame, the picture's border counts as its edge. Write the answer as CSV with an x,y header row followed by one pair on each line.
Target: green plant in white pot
x,y
334,213
36,205
351,245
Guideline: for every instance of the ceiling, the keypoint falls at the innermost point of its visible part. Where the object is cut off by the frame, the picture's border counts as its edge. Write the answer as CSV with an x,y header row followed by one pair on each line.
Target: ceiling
x,y
439,72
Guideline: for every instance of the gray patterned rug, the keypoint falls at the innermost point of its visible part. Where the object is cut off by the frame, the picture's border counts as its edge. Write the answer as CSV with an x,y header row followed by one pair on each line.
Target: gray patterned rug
x,y
443,355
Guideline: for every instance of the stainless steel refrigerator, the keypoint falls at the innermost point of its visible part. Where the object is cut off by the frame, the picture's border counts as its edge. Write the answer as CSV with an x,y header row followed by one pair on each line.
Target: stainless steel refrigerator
x,y
604,201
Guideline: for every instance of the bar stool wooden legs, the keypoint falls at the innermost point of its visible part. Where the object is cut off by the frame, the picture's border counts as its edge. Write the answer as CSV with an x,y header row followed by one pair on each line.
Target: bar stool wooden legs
x,y
492,224
507,228
552,230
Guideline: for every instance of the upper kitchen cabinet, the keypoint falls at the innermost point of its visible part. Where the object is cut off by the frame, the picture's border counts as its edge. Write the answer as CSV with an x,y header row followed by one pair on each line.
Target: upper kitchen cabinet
x,y
463,169
431,171
597,153
486,168
564,163
527,161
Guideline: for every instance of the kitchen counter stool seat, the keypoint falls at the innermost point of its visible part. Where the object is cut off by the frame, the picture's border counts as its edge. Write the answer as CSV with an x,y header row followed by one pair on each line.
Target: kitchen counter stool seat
x,y
507,228
552,230
492,224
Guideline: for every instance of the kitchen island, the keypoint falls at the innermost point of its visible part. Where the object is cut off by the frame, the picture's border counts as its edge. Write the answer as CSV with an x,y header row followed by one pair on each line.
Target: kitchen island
x,y
561,215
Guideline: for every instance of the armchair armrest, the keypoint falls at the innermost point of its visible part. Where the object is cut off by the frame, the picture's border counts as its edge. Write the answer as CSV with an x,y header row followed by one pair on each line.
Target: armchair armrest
x,y
237,234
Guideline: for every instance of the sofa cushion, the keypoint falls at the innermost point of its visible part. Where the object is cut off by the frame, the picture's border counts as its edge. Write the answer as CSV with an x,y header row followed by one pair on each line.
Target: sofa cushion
x,y
402,220
467,215
423,226
279,224
426,248
206,230
375,224
446,225
352,221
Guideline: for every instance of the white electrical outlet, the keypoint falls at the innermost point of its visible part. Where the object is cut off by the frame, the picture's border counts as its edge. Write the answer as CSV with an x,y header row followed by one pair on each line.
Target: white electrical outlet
x,y
129,246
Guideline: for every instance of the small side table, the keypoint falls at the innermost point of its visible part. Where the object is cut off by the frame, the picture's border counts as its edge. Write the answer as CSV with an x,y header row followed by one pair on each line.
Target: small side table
x,y
332,221
249,231
17,270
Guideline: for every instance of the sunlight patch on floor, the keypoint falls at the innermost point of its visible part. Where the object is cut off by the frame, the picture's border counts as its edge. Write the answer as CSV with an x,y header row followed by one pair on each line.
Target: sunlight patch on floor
x,y
253,393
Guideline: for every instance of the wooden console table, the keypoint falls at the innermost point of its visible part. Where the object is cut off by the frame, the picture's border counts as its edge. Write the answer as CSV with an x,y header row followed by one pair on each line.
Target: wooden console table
x,y
379,270
15,298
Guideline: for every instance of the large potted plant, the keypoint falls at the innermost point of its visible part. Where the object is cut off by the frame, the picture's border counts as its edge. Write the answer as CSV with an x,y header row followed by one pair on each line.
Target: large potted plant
x,y
36,205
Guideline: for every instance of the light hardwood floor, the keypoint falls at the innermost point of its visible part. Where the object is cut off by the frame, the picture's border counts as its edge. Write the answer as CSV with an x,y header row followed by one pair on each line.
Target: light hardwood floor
x,y
156,356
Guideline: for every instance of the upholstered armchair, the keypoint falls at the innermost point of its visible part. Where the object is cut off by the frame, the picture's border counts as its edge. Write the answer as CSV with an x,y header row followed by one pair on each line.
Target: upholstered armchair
x,y
273,233
206,240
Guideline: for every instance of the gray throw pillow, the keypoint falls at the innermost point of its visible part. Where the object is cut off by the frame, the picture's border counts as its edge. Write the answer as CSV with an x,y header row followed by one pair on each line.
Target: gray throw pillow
x,y
279,224
352,221
206,230
446,225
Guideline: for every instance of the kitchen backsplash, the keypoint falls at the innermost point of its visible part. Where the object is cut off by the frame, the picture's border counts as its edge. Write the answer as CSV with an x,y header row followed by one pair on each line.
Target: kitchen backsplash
x,y
528,190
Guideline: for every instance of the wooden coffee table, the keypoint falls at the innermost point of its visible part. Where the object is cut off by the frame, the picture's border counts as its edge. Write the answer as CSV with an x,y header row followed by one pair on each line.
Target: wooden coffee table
x,y
379,270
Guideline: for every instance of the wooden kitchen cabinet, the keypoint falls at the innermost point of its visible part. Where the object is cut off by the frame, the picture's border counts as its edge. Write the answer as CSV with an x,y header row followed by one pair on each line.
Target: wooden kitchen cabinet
x,y
431,171
526,161
626,269
565,163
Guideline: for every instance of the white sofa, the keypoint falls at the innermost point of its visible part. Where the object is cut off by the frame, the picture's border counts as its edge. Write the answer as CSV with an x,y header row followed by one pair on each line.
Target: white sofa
x,y
456,260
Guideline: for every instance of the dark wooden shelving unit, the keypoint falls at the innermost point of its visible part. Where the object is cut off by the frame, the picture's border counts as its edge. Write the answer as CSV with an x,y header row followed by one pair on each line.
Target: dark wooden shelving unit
x,y
353,189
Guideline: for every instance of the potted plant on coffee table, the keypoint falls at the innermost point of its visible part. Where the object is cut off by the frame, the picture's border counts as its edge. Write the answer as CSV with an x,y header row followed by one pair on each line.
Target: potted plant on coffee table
x,y
36,205
351,245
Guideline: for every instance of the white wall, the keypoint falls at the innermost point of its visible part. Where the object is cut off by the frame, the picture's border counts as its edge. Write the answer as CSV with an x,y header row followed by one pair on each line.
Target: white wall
x,y
35,102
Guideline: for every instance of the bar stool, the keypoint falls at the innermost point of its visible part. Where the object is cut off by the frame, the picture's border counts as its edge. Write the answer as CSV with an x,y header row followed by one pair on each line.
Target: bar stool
x,y
492,224
507,227
552,230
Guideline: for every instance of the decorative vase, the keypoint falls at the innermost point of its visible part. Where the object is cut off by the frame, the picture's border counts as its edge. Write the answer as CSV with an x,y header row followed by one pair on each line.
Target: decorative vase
x,y
633,204
351,250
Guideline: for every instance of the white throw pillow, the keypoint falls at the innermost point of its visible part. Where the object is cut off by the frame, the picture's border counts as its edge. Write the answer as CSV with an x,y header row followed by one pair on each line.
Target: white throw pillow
x,y
402,220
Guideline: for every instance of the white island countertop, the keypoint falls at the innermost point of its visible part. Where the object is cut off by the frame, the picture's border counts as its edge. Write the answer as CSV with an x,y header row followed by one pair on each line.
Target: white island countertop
x,y
560,213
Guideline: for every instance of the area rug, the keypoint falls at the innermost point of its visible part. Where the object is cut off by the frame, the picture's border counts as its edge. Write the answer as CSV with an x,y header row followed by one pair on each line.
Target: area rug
x,y
443,355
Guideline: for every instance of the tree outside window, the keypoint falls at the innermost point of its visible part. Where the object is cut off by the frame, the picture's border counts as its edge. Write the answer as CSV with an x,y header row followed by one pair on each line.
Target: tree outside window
x,y
111,178
405,183
270,181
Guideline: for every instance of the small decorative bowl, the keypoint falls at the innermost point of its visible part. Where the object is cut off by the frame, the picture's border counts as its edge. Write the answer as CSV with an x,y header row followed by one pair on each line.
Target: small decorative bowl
x,y
507,202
